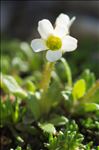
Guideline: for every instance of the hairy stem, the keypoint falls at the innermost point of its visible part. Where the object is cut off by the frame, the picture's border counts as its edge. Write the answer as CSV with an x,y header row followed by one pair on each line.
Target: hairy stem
x,y
46,76
67,71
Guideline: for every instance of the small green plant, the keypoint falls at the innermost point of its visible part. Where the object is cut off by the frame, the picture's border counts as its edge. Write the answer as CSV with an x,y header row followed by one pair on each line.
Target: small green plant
x,y
68,139
51,109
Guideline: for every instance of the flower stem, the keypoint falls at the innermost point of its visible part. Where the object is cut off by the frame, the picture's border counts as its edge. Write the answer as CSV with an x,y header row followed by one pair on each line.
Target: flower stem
x,y
67,71
46,76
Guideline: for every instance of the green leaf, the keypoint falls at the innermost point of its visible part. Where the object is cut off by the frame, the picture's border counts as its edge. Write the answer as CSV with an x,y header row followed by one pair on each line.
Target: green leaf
x,y
59,120
48,127
90,107
79,89
53,94
7,111
88,146
93,93
18,148
89,77
30,86
95,97
68,98
97,147
12,86
33,105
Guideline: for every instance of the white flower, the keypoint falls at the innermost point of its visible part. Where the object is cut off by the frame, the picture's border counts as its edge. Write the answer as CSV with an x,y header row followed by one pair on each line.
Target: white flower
x,y
55,40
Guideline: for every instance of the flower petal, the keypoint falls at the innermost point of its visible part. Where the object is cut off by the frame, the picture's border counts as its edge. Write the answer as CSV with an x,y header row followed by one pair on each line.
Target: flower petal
x,y
53,55
71,21
45,28
61,31
38,45
62,19
69,43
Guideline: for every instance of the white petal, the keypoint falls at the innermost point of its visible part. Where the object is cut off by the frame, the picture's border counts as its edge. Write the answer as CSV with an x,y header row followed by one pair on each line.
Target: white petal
x,y
38,45
62,19
71,21
53,55
45,28
69,43
61,31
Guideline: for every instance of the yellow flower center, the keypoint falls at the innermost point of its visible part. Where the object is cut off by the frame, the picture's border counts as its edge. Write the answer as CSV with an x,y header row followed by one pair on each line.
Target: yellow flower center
x,y
54,43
